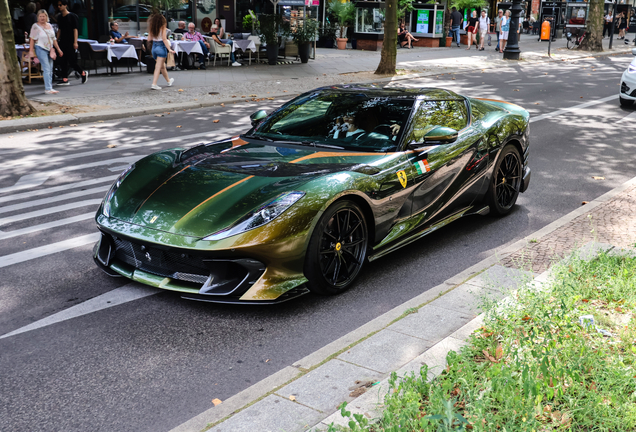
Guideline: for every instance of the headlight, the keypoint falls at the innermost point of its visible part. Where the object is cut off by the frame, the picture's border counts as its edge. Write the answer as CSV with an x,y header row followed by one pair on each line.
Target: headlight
x,y
113,189
260,217
631,68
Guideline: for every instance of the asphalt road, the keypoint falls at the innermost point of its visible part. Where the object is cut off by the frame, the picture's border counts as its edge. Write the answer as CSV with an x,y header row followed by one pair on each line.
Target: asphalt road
x,y
153,363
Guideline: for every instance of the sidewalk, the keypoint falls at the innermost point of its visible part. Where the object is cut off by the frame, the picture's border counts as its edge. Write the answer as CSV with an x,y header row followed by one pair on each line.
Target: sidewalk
x,y
124,95
356,367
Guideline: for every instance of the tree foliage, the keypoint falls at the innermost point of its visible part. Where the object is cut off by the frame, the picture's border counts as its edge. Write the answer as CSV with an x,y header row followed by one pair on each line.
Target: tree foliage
x,y
404,6
467,4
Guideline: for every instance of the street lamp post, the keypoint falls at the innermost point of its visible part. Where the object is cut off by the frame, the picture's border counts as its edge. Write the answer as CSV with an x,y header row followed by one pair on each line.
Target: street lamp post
x,y
512,50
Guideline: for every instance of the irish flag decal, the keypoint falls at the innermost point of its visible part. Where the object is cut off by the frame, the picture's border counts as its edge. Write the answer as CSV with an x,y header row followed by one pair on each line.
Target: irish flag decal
x,y
422,166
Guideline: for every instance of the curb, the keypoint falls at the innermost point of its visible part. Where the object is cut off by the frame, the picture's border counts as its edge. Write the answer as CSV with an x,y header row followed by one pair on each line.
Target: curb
x,y
9,126
276,381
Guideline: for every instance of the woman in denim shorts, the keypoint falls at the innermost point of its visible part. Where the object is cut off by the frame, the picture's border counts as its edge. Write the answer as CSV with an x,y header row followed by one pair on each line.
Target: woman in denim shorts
x,y
160,48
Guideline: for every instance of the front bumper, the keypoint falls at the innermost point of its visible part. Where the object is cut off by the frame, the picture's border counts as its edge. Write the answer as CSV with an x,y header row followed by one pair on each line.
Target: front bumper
x,y
197,275
628,86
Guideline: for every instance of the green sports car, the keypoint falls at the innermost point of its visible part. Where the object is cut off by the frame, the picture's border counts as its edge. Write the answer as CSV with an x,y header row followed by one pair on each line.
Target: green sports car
x,y
330,180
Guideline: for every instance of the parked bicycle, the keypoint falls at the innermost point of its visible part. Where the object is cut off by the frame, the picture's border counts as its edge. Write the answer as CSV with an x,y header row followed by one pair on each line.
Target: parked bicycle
x,y
575,37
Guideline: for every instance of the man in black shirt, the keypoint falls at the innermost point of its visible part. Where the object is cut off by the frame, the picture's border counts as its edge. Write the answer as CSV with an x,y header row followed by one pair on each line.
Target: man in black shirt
x,y
456,22
182,28
67,38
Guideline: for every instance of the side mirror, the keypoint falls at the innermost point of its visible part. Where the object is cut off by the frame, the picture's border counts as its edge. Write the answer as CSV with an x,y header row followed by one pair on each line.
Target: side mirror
x,y
257,117
441,135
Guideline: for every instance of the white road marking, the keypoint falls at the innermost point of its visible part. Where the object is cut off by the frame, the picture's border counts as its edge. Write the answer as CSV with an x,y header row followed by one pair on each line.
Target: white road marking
x,y
118,168
34,160
54,189
115,297
511,81
50,210
56,198
628,118
33,180
49,249
572,109
35,228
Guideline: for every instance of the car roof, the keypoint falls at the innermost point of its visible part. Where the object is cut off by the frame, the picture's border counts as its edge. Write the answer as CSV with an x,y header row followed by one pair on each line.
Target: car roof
x,y
426,93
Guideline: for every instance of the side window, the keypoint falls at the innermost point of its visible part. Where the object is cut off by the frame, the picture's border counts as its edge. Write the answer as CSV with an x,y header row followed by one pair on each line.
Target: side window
x,y
430,114
478,110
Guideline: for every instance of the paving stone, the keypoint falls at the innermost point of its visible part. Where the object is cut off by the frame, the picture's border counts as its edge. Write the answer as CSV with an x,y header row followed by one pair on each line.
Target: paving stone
x,y
329,385
272,414
467,299
385,351
502,278
591,250
370,405
469,328
434,358
431,322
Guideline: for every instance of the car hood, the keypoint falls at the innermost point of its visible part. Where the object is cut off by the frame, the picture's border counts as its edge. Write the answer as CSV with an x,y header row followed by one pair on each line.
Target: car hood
x,y
209,188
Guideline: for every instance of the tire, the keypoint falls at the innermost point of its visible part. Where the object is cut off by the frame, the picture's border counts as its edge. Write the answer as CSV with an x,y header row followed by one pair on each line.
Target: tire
x,y
571,44
625,102
505,183
337,249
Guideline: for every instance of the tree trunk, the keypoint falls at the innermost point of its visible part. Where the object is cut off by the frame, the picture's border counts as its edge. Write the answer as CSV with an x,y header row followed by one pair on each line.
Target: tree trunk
x,y
389,45
593,40
12,99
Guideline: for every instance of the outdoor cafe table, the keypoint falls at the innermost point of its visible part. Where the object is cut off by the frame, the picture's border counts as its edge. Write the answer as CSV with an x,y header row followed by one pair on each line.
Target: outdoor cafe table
x,y
116,50
90,41
188,47
244,45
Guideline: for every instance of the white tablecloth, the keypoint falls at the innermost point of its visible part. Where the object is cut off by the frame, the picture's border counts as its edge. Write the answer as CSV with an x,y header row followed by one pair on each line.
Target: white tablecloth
x,y
90,41
187,47
244,44
117,50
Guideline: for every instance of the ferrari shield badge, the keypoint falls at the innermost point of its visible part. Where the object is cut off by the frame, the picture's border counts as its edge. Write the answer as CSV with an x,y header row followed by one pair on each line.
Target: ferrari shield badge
x,y
401,175
154,218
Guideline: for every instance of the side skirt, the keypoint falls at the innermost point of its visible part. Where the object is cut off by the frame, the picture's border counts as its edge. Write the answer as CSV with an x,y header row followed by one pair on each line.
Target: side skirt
x,y
483,210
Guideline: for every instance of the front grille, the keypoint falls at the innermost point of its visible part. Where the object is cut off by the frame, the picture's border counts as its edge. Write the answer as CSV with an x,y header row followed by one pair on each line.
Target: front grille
x,y
633,93
624,88
181,266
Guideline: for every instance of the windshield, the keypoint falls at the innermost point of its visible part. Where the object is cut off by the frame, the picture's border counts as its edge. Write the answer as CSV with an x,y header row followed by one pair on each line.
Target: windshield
x,y
349,121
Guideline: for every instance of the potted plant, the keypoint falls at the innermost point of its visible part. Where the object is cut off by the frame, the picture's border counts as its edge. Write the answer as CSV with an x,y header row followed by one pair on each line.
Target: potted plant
x,y
268,26
327,35
345,13
304,36
249,24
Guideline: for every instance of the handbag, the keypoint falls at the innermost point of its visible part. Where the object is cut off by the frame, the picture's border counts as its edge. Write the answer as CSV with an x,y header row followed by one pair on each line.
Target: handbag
x,y
489,39
170,62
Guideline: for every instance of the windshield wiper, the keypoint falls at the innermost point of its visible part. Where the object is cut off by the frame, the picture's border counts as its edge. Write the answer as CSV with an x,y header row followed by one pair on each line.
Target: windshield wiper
x,y
305,143
260,138
315,144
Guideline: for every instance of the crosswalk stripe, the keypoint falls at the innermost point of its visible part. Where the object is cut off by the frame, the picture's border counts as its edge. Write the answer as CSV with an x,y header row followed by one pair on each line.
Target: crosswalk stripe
x,y
49,249
35,228
33,180
571,109
48,191
56,198
115,297
35,160
50,210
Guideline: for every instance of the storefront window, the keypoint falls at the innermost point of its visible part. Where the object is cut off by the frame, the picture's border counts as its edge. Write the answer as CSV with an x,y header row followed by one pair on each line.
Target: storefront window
x,y
369,20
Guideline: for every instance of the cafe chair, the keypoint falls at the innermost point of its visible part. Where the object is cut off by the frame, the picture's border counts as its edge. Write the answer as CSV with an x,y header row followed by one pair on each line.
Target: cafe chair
x,y
29,69
257,42
137,43
87,54
219,51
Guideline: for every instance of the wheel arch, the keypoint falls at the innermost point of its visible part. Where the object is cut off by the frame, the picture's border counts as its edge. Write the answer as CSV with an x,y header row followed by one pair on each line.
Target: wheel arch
x,y
366,210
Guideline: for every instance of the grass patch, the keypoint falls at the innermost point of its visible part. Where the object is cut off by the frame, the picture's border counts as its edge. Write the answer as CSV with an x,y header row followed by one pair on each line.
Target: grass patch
x,y
536,365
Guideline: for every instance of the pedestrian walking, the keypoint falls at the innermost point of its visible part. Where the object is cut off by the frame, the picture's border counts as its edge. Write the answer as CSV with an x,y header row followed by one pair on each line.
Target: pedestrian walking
x,y
498,19
456,22
471,30
160,48
622,25
43,45
505,28
67,32
609,19
484,25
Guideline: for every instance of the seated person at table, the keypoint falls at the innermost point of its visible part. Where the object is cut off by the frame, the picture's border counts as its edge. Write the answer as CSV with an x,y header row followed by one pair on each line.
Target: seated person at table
x,y
114,33
194,36
216,39
218,28
182,28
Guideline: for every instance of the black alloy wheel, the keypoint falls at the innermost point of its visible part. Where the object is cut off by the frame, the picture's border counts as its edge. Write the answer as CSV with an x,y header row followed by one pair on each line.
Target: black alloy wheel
x,y
337,249
506,181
